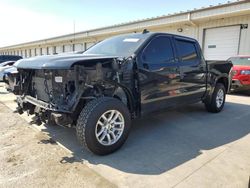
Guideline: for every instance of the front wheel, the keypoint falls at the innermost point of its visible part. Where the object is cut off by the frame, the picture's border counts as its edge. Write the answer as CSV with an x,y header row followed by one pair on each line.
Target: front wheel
x,y
217,102
103,125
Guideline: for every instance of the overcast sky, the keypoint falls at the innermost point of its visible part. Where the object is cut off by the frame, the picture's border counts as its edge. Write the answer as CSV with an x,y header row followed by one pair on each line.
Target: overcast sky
x,y
28,20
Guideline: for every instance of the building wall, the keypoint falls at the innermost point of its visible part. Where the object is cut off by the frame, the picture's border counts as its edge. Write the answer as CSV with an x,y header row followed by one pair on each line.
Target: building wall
x,y
193,29
198,31
244,47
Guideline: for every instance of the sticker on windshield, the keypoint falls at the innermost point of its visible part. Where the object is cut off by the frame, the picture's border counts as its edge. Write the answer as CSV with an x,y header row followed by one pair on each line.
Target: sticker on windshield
x,y
131,40
248,59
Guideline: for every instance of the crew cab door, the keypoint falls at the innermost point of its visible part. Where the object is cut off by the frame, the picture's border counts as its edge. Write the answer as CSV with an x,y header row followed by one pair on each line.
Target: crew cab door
x,y
159,74
193,69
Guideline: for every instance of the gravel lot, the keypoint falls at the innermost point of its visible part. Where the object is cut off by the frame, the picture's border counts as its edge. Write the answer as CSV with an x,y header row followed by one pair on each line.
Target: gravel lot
x,y
30,158
185,147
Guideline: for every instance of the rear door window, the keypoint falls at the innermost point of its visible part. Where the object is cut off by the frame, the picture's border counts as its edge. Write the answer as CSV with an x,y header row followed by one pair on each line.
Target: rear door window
x,y
187,51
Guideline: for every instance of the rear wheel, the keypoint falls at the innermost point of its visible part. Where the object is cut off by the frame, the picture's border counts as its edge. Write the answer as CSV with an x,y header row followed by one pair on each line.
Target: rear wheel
x,y
217,102
103,125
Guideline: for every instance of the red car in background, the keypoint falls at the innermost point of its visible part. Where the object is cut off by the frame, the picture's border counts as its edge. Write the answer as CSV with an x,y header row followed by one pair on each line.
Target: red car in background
x,y
241,73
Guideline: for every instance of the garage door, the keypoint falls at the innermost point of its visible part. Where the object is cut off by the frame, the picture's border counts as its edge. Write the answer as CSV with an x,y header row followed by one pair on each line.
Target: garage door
x,y
33,52
50,50
38,51
59,49
78,47
68,48
23,53
28,54
221,43
44,51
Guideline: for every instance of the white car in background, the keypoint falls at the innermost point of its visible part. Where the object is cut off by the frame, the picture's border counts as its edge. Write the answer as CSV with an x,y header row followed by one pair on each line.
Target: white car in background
x,y
4,66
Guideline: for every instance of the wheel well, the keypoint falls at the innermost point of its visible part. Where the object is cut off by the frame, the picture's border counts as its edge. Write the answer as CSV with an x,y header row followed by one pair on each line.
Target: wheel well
x,y
223,81
120,93
4,78
124,96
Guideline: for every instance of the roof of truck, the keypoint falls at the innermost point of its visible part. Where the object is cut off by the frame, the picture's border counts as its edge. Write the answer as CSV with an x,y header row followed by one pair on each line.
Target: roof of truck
x,y
150,34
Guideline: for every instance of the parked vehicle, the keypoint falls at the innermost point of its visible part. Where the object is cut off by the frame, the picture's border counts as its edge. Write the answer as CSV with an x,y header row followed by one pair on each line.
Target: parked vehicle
x,y
241,73
119,79
3,67
11,79
4,58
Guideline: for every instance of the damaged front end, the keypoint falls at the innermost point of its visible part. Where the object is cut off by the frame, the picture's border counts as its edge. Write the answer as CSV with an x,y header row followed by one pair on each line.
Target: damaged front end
x,y
58,95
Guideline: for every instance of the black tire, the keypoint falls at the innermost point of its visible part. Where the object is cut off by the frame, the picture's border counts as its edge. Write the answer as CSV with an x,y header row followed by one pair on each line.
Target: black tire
x,y
212,106
247,92
51,122
87,120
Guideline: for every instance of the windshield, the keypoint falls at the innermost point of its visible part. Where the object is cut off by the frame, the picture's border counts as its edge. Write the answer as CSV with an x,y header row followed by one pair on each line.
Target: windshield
x,y
121,46
245,61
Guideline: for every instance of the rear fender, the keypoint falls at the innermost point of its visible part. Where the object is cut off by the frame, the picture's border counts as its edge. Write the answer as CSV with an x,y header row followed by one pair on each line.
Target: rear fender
x,y
224,79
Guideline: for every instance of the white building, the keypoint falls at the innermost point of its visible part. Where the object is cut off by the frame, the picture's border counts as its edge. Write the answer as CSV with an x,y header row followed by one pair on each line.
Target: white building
x,y
222,31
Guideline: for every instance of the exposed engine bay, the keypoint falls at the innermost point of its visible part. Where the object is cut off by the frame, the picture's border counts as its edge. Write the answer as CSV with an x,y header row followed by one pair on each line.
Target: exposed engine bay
x,y
56,94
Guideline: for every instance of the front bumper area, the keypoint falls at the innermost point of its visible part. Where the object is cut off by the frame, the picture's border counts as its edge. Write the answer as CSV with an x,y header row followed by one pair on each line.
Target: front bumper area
x,y
238,86
43,111
41,104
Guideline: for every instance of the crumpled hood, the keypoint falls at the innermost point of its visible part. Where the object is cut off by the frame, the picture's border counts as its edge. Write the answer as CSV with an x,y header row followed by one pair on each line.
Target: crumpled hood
x,y
61,61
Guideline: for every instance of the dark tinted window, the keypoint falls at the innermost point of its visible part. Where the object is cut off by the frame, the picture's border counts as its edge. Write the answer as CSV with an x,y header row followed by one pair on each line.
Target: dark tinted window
x,y
159,50
186,50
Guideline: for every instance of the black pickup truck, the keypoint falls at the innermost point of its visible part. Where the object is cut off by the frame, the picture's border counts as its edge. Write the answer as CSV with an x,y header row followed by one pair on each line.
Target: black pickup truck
x,y
100,90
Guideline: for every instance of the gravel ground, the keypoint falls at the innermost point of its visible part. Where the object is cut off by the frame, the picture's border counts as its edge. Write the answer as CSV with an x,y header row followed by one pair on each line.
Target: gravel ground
x,y
31,159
